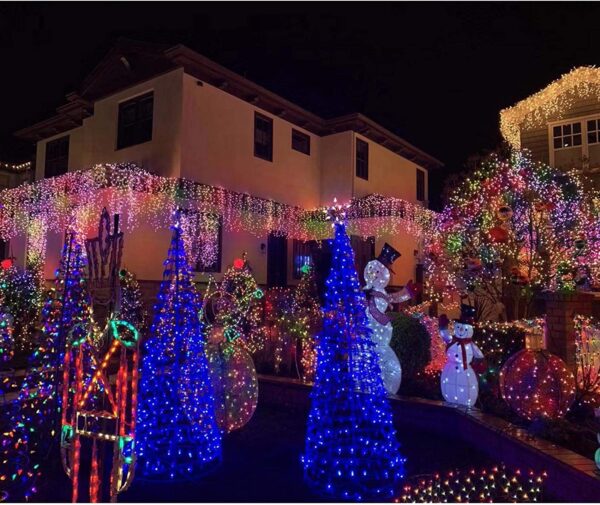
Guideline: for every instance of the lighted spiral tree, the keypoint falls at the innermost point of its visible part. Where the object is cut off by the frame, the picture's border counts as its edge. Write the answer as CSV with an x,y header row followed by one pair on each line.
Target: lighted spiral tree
x,y
351,447
512,229
177,429
35,417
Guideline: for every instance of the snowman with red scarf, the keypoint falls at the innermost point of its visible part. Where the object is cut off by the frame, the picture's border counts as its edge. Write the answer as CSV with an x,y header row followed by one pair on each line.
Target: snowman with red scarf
x,y
377,277
459,381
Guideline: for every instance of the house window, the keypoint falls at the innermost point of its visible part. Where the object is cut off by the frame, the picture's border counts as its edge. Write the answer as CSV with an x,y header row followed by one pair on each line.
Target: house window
x,y
135,121
300,142
567,135
593,131
420,185
303,256
263,137
209,252
362,159
57,157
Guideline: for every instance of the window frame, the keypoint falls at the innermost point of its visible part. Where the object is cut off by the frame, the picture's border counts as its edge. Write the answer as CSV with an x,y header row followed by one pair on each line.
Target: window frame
x,y
421,176
257,118
304,137
306,248
362,173
584,147
219,262
137,136
54,160
571,134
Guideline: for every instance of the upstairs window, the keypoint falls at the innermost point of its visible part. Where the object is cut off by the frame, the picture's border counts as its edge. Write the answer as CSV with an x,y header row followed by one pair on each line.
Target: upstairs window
x,y
567,135
135,121
593,131
57,157
300,142
362,159
263,137
420,185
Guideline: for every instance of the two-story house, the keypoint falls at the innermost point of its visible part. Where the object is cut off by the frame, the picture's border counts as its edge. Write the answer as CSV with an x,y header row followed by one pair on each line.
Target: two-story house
x,y
560,124
178,114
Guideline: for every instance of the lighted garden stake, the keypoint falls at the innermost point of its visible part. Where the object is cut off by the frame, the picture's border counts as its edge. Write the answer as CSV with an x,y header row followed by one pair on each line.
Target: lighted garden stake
x,y
351,448
177,432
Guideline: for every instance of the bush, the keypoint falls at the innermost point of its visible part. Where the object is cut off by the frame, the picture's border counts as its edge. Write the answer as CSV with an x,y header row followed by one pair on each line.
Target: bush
x,y
411,343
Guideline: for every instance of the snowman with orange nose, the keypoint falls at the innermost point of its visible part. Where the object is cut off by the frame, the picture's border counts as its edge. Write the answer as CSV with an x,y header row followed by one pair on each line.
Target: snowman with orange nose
x,y
459,381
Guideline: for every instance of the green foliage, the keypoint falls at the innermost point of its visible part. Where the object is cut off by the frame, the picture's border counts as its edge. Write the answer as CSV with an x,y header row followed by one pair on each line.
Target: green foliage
x,y
411,343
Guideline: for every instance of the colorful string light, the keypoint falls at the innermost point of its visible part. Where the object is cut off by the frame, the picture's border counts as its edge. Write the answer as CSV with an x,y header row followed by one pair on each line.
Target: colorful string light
x,y
487,485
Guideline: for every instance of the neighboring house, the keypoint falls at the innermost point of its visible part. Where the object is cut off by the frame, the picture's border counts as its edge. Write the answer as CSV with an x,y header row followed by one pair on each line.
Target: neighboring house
x,y
560,124
178,114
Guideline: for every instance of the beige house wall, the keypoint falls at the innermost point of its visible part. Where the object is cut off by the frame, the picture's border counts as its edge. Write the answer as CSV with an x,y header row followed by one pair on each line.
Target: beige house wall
x,y
203,133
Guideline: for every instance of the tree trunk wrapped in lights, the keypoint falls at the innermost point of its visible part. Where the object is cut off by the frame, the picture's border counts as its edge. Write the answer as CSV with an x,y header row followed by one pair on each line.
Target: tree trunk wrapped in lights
x,y
351,446
177,429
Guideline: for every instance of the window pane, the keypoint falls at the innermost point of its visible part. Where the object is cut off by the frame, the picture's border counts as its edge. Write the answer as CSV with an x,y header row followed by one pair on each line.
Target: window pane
x,y
557,142
135,121
556,131
577,140
566,129
591,125
576,127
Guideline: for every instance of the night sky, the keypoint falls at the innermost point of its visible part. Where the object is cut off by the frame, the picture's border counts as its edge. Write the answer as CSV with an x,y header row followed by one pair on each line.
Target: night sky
x,y
436,74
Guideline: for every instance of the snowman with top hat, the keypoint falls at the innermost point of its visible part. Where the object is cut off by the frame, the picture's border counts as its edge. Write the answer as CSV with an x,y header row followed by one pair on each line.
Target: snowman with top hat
x,y
377,277
459,381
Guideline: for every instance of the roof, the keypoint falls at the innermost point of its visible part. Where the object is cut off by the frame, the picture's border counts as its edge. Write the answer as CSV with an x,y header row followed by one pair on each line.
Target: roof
x,y
130,62
549,103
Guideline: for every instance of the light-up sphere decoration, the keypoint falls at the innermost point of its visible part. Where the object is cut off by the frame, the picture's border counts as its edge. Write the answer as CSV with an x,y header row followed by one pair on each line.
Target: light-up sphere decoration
x,y
537,384
234,381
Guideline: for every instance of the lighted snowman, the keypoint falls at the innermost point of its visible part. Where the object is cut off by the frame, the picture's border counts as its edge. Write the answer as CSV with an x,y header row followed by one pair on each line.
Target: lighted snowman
x,y
377,277
459,380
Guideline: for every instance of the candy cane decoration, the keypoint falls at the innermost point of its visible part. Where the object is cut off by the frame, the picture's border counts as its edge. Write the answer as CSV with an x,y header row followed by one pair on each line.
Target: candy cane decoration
x,y
93,409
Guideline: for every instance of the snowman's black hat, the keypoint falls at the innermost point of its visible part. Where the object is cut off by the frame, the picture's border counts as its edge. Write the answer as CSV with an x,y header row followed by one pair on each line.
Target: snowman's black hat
x,y
387,256
467,314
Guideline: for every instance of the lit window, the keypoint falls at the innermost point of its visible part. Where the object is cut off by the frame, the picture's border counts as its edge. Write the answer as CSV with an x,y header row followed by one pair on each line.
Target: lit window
x,y
567,135
593,131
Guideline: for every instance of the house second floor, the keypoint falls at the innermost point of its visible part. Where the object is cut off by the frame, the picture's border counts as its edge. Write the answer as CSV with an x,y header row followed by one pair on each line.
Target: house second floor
x,y
560,124
178,114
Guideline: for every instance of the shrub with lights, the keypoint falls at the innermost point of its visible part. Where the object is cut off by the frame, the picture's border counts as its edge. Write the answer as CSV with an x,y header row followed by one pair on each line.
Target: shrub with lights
x,y
537,384
34,419
351,447
177,432
22,299
512,229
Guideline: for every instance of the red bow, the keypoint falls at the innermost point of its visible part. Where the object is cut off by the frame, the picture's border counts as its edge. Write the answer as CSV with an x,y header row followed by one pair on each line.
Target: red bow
x,y
463,345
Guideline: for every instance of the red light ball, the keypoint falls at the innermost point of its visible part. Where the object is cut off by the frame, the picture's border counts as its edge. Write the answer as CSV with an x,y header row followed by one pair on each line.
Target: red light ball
x,y
238,263
537,384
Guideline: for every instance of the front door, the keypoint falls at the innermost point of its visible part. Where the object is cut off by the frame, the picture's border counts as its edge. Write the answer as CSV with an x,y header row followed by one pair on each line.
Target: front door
x,y
276,261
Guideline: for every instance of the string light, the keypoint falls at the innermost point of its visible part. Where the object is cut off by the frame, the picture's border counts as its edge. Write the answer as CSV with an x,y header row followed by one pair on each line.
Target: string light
x,y
15,167
549,103
587,358
177,431
487,485
535,383
351,447
513,229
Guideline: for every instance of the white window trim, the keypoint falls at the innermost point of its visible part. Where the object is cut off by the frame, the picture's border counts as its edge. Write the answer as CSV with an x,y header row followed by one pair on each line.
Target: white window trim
x,y
585,153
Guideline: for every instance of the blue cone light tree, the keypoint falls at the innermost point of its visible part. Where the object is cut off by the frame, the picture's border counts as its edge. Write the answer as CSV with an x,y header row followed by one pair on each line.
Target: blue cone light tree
x,y
177,432
351,447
